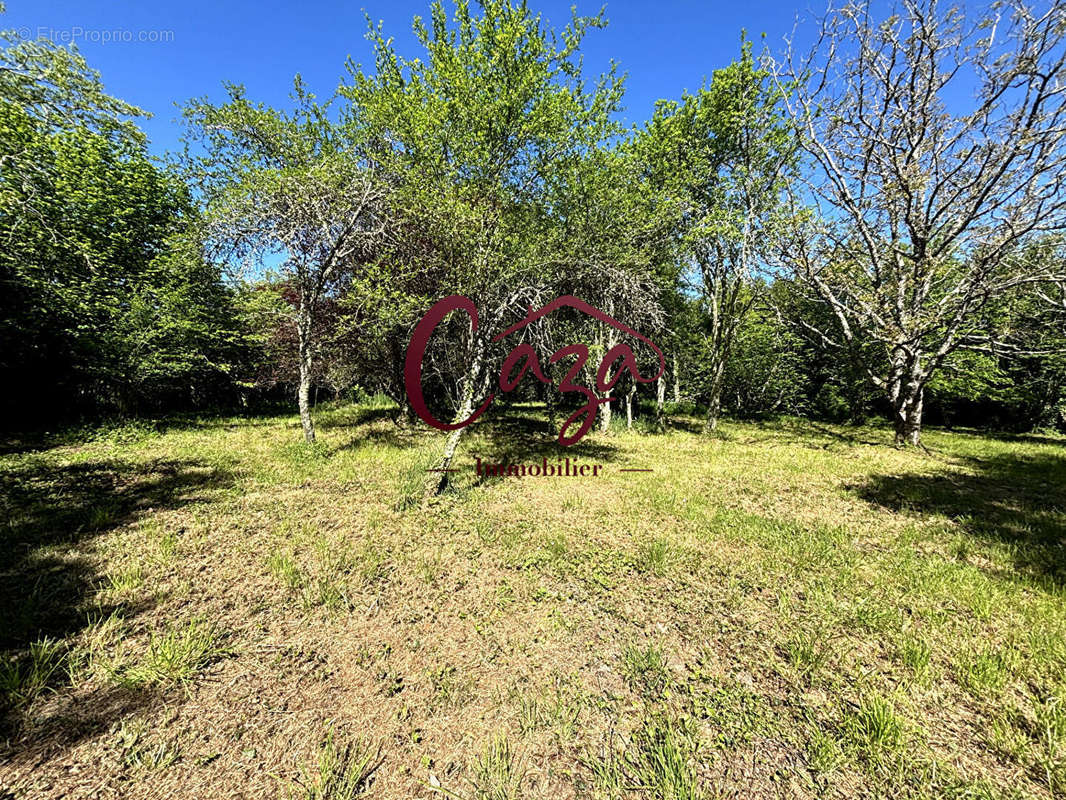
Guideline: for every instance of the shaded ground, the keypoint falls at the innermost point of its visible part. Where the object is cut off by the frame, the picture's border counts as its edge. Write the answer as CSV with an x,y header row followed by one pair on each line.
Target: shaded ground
x,y
1014,500
211,608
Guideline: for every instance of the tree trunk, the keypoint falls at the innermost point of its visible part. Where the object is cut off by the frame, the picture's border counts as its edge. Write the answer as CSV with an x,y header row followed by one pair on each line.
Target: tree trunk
x,y
714,400
714,411
405,418
303,394
629,406
906,391
909,418
660,402
677,381
605,417
549,402
436,481
605,408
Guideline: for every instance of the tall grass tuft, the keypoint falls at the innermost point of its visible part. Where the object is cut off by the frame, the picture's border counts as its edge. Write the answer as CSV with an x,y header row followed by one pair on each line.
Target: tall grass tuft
x,y
341,771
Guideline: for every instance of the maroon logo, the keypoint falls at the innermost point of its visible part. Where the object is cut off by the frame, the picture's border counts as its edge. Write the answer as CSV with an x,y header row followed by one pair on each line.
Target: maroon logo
x,y
524,357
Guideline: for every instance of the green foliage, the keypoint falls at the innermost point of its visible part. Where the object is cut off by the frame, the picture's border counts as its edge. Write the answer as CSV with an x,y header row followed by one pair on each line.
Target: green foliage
x,y
723,157
487,165
808,652
764,374
496,145
481,127
284,567
108,303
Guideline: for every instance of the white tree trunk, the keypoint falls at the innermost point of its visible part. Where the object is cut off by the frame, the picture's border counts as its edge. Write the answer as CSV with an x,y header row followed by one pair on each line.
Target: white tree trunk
x,y
660,402
605,417
908,421
906,392
303,394
605,408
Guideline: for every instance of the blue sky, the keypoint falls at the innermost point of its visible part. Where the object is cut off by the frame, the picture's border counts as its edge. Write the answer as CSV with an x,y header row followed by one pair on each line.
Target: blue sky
x,y
664,47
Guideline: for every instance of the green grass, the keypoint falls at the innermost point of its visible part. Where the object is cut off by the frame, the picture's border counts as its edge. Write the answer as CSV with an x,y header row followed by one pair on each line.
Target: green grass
x,y
781,609
498,774
341,771
658,763
985,671
285,568
141,750
176,654
808,652
23,678
653,557
915,654
875,727
645,668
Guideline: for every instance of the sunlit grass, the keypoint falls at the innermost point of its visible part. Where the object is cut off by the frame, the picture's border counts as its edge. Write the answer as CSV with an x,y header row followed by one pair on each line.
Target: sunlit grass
x,y
790,601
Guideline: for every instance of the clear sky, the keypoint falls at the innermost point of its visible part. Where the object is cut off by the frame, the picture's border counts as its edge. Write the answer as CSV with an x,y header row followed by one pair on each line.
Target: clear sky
x,y
191,47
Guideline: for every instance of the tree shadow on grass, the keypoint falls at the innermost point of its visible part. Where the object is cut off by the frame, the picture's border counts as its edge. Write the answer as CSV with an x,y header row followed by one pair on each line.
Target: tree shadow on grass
x,y
847,437
353,416
1016,500
377,437
774,431
686,424
68,718
49,515
521,438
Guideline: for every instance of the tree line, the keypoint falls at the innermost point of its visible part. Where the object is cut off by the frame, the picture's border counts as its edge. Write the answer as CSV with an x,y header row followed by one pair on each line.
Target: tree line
x,y
869,226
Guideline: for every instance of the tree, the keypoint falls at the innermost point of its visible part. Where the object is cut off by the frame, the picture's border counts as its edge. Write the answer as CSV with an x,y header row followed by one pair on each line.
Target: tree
x,y
1032,356
106,303
471,134
295,185
764,374
611,240
44,89
727,153
924,207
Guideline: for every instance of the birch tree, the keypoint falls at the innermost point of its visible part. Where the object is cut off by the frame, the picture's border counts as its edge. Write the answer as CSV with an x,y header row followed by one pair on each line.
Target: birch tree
x,y
936,146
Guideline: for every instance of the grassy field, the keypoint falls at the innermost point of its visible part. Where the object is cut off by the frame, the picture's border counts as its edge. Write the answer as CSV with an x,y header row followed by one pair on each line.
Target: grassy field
x,y
781,610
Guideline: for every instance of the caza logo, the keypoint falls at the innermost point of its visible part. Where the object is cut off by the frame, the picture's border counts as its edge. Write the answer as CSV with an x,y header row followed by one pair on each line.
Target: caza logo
x,y
524,357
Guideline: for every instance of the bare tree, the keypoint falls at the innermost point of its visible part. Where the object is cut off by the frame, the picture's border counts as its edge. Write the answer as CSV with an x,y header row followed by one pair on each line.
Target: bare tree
x,y
923,207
